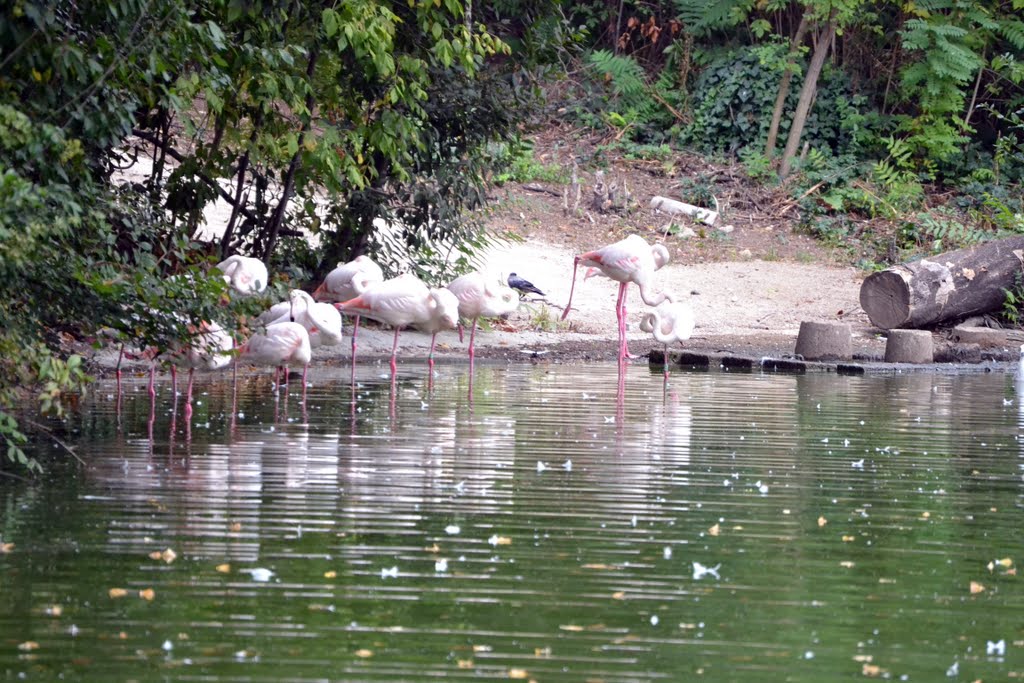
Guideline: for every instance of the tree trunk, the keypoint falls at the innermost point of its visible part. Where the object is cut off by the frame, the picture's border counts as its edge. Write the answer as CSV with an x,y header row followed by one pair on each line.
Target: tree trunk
x,y
943,288
787,76
796,129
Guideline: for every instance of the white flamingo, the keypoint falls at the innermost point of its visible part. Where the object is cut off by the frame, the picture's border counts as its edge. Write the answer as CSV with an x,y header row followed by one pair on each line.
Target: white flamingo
x,y
480,297
244,274
445,316
347,281
669,323
281,345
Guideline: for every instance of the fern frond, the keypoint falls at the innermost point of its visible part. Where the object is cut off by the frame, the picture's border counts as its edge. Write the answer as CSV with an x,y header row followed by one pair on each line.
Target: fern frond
x,y
703,15
624,73
1013,31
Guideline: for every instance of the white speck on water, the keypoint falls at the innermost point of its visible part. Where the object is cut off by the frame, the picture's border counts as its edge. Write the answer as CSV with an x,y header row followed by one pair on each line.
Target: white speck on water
x,y
726,482
168,646
997,648
424,405
73,630
260,574
809,654
541,466
700,571
857,464
825,440
953,670
654,620
494,540
667,552
609,419
441,565
452,529
633,521
567,465
389,572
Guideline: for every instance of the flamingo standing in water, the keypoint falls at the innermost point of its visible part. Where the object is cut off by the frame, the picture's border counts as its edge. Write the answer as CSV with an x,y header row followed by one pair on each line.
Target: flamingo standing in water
x,y
399,302
445,316
348,281
210,349
481,298
244,274
625,261
282,344
669,323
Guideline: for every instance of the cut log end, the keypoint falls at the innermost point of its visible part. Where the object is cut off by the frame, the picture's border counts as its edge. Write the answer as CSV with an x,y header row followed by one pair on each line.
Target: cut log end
x,y
885,297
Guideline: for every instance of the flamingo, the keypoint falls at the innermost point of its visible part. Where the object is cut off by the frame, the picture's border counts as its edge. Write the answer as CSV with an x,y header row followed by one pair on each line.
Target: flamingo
x,y
281,344
347,281
399,302
625,261
481,298
669,323
210,349
321,320
445,316
244,274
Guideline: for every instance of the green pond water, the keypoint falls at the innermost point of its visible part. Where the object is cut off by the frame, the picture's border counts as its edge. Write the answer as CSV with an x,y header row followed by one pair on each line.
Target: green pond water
x,y
546,523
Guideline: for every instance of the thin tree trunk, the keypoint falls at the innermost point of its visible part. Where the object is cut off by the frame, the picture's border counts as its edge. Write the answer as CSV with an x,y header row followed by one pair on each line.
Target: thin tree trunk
x,y
796,129
787,76
277,218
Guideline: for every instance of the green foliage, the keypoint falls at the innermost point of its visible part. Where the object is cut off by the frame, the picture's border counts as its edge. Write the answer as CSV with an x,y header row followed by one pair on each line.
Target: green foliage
x,y
516,163
738,91
1013,301
940,231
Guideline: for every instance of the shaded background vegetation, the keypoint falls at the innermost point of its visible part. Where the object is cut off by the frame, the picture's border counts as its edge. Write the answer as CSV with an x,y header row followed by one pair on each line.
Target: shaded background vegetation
x,y
316,122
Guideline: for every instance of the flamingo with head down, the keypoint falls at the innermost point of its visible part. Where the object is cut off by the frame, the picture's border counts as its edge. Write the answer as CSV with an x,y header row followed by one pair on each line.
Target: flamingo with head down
x,y
669,323
480,297
629,260
244,274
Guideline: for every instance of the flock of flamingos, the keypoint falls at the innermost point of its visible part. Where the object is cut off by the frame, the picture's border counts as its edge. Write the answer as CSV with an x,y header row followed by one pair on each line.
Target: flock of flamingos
x,y
290,330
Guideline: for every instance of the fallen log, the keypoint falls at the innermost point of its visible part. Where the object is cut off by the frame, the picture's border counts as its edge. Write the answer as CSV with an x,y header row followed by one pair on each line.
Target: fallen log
x,y
943,288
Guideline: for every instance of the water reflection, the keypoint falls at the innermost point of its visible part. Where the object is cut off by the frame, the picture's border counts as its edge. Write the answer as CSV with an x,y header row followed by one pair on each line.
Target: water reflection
x,y
532,522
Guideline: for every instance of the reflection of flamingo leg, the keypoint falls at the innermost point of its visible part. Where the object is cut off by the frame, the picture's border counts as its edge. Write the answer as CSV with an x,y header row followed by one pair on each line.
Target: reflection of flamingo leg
x,y
117,373
151,390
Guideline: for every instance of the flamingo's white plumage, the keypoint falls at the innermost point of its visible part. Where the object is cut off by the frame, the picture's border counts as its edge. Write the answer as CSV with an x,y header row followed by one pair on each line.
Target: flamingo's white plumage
x,y
669,323
480,297
244,274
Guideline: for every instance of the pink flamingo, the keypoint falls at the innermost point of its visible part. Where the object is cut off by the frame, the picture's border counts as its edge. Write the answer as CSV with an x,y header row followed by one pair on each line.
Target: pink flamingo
x,y
244,274
347,281
399,302
669,323
282,344
481,298
625,261
445,316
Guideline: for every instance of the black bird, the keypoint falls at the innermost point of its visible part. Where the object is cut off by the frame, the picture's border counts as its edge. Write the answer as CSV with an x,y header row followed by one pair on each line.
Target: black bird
x,y
524,286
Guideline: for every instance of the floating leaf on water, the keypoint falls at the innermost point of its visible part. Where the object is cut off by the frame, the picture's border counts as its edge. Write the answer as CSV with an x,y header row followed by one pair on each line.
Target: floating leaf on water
x,y
6,548
497,540
849,539
330,574
977,588
235,527
28,646
597,565
571,627
518,674
464,663
1005,562
822,522
482,648
168,556
542,652
435,548
117,592
925,514
871,670
863,658
847,564
364,653
224,568
619,595
147,594
884,579
715,530
54,611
